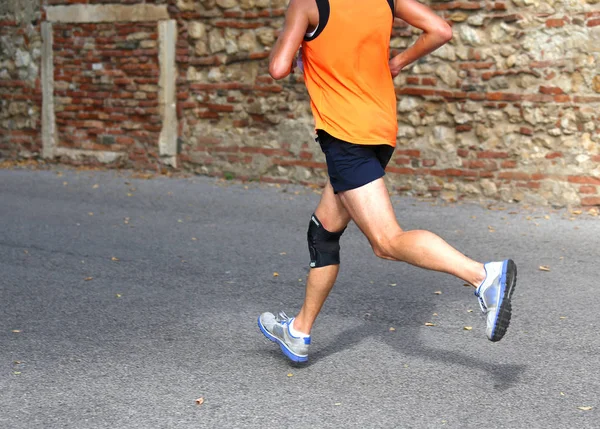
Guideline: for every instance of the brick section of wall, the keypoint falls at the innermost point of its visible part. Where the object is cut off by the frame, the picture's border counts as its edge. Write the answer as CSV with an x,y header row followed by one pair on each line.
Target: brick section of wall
x,y
20,89
106,88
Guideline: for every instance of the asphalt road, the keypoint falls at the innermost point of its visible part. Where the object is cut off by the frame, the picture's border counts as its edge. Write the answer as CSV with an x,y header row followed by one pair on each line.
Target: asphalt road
x,y
123,300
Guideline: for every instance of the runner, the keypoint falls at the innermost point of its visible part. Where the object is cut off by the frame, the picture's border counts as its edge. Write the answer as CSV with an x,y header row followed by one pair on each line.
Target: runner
x,y
348,74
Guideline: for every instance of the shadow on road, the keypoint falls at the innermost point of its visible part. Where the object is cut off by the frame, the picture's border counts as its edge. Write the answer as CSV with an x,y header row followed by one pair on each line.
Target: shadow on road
x,y
505,376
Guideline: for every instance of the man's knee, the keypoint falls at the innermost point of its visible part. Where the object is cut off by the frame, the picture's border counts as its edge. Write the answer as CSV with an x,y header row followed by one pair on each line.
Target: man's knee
x,y
323,245
383,246
381,249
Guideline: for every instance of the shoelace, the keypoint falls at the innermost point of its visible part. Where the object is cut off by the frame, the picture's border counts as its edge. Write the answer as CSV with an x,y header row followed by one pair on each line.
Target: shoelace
x,y
282,318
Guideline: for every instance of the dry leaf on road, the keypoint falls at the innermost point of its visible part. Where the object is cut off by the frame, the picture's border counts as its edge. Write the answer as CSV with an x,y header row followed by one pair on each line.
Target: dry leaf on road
x,y
87,279
275,274
468,328
114,258
544,268
438,292
429,324
200,401
585,408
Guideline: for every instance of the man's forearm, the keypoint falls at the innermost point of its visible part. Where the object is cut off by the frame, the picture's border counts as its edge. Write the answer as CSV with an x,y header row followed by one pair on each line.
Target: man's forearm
x,y
425,44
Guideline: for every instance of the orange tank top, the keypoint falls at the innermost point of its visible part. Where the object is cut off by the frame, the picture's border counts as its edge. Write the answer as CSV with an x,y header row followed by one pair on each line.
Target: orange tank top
x,y
347,74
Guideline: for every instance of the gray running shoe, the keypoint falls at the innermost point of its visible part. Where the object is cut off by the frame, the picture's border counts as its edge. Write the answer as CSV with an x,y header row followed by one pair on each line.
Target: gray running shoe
x,y
277,330
494,296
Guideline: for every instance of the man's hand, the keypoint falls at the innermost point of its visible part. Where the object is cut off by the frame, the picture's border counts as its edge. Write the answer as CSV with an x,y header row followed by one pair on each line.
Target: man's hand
x,y
395,66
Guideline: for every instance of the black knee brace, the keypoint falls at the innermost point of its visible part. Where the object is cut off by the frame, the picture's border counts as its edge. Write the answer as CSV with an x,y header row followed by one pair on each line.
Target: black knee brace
x,y
324,246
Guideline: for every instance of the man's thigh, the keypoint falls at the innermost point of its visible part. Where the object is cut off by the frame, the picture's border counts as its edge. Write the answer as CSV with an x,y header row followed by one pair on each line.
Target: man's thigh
x,y
331,212
371,209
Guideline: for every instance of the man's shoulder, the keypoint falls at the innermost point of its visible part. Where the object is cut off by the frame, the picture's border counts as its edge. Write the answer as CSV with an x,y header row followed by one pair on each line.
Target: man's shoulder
x,y
302,5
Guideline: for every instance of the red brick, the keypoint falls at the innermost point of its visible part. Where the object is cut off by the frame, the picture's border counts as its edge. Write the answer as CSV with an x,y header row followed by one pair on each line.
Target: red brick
x,y
480,164
268,88
564,98
415,91
402,161
413,153
476,65
555,23
540,176
553,155
503,96
412,80
219,107
513,175
492,154
587,189
428,162
590,201
400,170
551,90
593,22
429,81
584,180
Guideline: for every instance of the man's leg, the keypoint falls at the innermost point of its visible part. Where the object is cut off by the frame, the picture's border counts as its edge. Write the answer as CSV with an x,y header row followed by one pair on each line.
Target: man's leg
x,y
334,218
371,209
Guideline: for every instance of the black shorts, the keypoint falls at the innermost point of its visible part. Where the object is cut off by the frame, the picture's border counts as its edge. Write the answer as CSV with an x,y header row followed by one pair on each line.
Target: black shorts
x,y
350,165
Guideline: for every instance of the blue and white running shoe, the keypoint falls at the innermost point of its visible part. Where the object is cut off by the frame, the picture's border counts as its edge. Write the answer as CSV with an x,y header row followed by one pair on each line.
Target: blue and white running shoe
x,y
494,296
277,329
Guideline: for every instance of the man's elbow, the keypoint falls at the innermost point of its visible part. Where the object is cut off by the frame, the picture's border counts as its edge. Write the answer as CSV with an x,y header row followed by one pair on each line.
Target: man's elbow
x,y
279,70
444,33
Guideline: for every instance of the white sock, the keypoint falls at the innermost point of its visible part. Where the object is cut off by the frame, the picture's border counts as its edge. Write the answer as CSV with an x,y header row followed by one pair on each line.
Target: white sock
x,y
294,332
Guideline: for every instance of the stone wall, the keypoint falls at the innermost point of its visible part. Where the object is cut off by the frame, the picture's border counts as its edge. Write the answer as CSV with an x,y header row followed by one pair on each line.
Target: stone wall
x,y
507,110
20,94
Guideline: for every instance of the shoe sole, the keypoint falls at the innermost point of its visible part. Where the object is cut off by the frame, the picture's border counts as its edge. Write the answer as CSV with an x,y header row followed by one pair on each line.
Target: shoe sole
x,y
284,348
509,282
